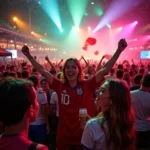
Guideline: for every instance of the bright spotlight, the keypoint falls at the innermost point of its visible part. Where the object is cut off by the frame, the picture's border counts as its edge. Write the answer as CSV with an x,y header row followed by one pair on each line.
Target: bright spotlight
x,y
108,25
92,3
120,28
73,28
32,32
15,19
135,22
61,31
89,28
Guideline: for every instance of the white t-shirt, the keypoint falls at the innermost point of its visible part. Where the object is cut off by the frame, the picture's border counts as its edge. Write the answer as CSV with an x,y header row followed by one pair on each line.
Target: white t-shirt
x,y
42,99
54,101
93,136
141,105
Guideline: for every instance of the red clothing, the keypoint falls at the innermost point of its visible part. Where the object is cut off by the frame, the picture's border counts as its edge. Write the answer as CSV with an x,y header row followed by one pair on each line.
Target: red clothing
x,y
70,101
16,142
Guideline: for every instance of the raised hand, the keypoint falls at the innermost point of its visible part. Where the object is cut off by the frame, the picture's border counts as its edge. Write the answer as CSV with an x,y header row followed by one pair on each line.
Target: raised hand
x,y
25,51
46,58
122,45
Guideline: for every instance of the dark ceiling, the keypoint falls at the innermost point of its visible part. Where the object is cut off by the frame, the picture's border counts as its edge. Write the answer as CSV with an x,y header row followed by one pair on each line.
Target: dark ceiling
x,y
41,23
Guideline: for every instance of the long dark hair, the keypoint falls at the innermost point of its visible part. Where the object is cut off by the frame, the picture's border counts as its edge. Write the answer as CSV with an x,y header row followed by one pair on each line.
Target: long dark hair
x,y
80,75
119,118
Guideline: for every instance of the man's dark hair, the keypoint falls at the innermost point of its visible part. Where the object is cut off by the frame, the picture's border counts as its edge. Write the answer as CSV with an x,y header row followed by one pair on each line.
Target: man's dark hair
x,y
34,79
12,67
119,74
131,73
141,71
146,81
16,96
34,70
120,67
43,80
137,79
25,74
133,66
5,74
12,74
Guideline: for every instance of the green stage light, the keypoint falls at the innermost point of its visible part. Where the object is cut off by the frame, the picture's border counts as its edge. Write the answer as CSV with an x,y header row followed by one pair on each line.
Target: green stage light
x,y
98,10
108,25
51,8
77,9
46,41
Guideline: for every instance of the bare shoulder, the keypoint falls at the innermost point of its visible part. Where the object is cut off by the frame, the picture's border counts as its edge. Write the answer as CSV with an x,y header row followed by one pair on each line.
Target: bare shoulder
x,y
41,147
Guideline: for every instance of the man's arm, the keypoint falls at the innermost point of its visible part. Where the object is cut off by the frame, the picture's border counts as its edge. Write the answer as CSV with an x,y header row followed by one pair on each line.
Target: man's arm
x,y
106,68
50,63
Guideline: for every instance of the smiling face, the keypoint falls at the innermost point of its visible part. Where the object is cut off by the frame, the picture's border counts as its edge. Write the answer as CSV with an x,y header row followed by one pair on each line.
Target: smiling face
x,y
104,100
45,86
71,71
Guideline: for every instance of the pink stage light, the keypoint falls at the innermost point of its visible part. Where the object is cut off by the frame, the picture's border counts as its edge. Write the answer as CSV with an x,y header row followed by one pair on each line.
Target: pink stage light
x,y
135,22
89,28
120,28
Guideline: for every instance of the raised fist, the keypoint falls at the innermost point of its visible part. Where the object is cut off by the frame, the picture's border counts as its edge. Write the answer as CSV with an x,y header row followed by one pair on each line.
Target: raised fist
x,y
25,50
122,45
46,58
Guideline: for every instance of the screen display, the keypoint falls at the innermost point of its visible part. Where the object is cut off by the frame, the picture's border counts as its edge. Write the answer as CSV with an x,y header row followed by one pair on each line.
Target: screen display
x,y
145,54
14,53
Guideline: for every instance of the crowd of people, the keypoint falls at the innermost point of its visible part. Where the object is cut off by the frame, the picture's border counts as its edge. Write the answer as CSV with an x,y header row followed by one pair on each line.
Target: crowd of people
x,y
39,106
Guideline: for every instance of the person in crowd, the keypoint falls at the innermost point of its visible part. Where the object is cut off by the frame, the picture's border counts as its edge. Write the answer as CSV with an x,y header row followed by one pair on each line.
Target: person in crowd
x,y
119,74
5,74
113,128
39,128
25,74
13,68
126,77
147,70
141,71
12,74
137,82
74,93
1,76
54,106
18,108
132,74
111,74
141,105
46,87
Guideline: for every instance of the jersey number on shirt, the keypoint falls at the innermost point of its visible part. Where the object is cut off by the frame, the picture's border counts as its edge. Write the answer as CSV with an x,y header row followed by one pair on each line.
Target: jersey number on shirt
x,y
65,99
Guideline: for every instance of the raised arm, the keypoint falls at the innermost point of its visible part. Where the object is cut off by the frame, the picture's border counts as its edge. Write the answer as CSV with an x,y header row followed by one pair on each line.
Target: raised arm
x,y
58,65
37,66
99,64
106,68
50,63
86,62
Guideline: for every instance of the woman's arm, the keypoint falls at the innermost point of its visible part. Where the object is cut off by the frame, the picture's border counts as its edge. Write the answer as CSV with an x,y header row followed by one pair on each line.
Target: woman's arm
x,y
43,71
106,68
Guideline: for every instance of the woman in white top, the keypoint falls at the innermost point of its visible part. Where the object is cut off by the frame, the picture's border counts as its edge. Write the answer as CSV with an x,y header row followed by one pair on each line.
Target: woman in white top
x,y
113,128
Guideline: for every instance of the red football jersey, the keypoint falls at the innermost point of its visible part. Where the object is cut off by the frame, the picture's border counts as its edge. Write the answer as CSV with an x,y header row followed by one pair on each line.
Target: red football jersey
x,y
70,101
